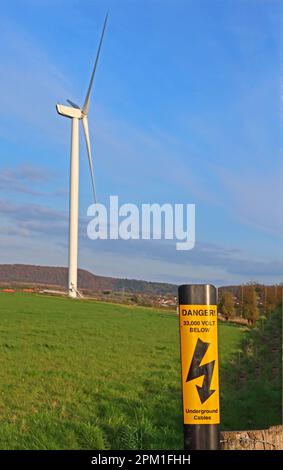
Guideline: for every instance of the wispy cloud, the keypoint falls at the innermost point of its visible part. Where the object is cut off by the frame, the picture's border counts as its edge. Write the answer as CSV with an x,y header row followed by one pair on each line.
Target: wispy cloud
x,y
24,179
255,199
32,84
32,220
211,260
156,260
29,173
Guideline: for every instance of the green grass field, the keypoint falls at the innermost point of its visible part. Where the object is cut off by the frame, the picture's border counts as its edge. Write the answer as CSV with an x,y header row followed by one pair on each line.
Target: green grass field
x,y
88,375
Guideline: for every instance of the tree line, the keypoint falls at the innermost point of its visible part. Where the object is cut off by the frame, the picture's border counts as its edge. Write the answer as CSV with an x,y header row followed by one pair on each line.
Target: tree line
x,y
252,302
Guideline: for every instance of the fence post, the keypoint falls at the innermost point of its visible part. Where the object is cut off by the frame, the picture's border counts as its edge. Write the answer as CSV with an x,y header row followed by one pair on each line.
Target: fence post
x,y
199,361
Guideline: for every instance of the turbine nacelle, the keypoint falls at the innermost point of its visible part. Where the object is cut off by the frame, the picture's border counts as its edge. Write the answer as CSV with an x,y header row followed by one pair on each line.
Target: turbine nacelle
x,y
69,111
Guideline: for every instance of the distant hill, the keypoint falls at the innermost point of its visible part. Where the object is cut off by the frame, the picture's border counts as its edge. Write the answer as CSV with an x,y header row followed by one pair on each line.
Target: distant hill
x,y
50,276
25,274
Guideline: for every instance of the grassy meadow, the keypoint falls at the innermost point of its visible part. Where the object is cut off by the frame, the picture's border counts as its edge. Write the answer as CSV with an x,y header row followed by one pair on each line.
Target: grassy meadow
x,y
89,375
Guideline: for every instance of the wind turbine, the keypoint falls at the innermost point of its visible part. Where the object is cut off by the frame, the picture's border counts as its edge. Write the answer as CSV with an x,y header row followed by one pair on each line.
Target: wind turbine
x,y
76,113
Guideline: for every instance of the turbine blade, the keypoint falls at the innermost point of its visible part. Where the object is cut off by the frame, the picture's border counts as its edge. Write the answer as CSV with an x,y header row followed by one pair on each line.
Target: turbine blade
x,y
74,105
85,126
86,103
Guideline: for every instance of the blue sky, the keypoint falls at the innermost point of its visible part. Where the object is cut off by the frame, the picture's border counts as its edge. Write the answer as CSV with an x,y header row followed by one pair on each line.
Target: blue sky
x,y
186,109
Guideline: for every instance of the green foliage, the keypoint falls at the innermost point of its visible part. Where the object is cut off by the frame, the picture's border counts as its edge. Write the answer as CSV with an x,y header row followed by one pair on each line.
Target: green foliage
x,y
227,304
253,380
250,309
271,299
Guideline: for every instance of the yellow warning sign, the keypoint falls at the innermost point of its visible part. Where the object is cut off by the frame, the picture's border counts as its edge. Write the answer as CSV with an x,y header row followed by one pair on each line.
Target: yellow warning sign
x,y
199,356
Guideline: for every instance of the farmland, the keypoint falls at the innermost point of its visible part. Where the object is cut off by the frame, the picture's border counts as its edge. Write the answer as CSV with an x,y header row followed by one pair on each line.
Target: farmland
x,y
89,375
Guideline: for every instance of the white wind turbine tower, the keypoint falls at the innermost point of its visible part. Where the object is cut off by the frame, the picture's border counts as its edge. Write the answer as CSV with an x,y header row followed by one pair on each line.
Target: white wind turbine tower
x,y
75,113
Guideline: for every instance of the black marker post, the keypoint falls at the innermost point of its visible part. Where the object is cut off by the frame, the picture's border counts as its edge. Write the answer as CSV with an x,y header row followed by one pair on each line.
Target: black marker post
x,y
199,359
